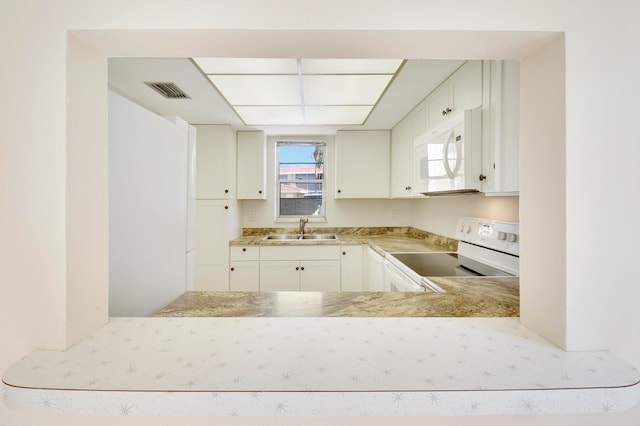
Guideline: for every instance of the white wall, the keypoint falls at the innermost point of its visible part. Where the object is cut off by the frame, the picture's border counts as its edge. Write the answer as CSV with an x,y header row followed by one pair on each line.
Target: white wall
x,y
601,94
147,209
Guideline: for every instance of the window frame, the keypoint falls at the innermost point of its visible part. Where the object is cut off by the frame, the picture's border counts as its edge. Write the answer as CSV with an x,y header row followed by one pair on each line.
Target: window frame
x,y
322,181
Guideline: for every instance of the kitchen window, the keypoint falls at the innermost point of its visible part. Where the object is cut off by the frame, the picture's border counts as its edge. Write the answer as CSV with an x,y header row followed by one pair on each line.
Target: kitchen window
x,y
300,180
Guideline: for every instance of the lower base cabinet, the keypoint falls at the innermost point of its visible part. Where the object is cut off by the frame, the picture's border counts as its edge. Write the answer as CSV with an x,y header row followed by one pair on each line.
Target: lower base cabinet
x,y
300,268
293,275
244,268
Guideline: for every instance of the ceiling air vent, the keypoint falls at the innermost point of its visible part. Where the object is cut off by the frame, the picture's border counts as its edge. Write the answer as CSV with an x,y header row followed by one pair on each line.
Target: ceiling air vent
x,y
168,90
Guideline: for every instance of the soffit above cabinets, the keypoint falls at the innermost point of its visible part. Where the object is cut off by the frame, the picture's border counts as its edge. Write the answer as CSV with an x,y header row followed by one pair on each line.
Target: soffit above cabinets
x,y
127,76
298,91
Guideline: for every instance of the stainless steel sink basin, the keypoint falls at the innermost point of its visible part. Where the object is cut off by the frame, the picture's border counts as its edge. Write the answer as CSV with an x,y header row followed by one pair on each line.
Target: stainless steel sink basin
x,y
282,237
301,237
319,237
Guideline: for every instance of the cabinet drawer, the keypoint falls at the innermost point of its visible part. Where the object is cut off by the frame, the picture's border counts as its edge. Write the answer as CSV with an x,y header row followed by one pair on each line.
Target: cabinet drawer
x,y
244,253
328,252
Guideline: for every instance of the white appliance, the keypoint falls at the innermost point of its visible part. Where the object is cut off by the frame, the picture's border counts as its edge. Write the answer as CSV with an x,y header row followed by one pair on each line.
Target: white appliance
x,y
486,248
449,157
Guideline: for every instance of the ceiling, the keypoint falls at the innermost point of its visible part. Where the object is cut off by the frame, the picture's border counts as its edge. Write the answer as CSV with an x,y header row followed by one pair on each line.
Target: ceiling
x,y
205,105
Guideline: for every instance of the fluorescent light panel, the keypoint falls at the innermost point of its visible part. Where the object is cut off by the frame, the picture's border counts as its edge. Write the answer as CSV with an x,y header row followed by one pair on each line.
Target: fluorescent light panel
x,y
328,91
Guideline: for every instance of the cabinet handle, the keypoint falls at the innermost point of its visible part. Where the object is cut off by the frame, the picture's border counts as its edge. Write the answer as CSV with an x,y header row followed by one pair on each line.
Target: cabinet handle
x,y
482,177
446,111
233,269
407,188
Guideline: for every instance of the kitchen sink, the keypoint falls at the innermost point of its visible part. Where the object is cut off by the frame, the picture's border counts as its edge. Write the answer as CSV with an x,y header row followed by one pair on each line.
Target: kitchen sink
x,y
282,237
301,237
319,237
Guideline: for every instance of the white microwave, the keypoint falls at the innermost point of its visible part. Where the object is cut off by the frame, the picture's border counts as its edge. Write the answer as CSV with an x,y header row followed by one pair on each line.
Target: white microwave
x,y
448,158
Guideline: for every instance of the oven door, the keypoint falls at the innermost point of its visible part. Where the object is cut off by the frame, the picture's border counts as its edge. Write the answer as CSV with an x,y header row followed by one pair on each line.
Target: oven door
x,y
396,281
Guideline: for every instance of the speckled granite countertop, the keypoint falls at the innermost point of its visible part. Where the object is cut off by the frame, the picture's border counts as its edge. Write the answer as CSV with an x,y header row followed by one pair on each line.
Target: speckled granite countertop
x,y
381,239
464,297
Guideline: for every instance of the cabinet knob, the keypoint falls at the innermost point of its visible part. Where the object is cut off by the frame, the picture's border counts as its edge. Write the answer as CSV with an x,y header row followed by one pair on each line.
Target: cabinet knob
x,y
226,207
297,268
482,177
302,268
446,111
260,191
233,269
244,249
344,253
226,191
339,191
407,188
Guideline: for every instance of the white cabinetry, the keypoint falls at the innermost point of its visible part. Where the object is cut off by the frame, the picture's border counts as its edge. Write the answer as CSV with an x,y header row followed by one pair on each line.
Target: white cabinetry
x,y
352,266
463,90
362,164
403,136
251,171
374,271
294,268
244,271
216,216
215,160
502,128
211,245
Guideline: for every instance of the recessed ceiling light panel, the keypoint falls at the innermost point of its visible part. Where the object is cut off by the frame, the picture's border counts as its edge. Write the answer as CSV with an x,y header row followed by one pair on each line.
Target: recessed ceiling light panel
x,y
300,91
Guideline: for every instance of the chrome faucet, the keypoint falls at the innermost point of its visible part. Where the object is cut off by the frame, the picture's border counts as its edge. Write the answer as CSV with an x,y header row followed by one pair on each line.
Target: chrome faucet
x,y
303,221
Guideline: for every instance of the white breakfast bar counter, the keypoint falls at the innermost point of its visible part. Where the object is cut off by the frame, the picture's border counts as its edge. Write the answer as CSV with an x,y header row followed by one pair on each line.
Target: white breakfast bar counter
x,y
318,367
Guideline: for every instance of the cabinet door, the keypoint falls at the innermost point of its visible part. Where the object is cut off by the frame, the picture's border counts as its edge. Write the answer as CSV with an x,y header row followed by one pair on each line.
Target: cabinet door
x,y
465,87
215,162
279,275
362,164
437,103
401,159
351,268
502,127
244,276
211,246
320,275
251,162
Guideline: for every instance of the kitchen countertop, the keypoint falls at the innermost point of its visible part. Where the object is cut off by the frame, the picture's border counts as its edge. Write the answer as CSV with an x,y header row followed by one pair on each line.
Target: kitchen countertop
x,y
318,367
463,297
381,239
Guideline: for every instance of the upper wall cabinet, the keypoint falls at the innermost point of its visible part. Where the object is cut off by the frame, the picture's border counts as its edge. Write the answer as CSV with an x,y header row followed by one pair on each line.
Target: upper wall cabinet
x,y
501,128
403,135
463,90
215,162
362,164
251,170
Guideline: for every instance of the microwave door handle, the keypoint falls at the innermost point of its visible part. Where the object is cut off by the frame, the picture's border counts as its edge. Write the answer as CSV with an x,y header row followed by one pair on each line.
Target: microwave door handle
x,y
445,155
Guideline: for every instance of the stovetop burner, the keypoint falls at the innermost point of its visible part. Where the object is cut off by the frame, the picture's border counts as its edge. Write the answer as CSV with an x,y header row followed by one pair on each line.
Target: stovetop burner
x,y
434,264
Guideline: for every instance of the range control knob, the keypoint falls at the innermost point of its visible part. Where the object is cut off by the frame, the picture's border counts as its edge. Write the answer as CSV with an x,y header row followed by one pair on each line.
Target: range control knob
x,y
512,238
502,236
466,229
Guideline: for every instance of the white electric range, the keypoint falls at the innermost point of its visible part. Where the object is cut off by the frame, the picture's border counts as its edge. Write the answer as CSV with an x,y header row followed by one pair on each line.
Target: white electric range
x,y
486,248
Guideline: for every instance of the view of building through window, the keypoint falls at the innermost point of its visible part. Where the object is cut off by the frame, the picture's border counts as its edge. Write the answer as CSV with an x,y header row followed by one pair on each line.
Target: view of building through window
x,y
300,178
